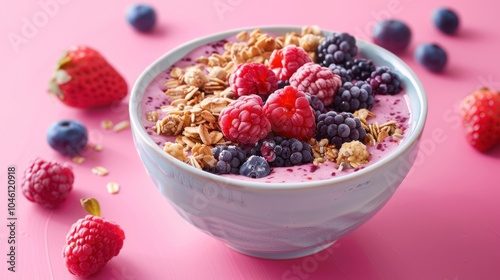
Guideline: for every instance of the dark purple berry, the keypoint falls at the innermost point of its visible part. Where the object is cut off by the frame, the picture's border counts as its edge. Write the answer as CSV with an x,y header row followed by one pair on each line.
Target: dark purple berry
x,y
337,48
384,81
431,56
394,35
229,159
340,70
446,20
142,17
67,137
359,69
339,128
351,97
255,167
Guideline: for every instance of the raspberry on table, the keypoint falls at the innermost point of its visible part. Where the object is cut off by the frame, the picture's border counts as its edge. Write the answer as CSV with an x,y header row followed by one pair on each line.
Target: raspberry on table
x,y
337,48
47,182
384,81
229,159
314,79
351,97
252,78
290,114
285,61
243,121
90,244
360,69
339,128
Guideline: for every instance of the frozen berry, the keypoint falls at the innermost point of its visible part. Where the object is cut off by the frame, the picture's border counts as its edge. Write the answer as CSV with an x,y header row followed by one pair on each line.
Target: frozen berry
x,y
67,137
337,48
314,79
316,104
142,17
431,56
341,72
446,20
229,159
280,151
384,81
290,114
91,242
252,78
351,97
359,69
284,62
243,121
255,167
394,35
47,182
339,128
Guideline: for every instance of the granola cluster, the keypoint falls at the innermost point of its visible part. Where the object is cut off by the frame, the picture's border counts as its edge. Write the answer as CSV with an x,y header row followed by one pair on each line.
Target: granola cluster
x,y
199,92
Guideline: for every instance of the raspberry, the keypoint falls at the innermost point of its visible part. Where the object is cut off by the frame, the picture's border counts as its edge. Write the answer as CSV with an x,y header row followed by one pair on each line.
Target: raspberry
x,y
337,48
384,81
90,244
339,128
341,71
243,120
284,62
229,159
252,78
360,69
290,114
47,182
314,79
352,97
280,151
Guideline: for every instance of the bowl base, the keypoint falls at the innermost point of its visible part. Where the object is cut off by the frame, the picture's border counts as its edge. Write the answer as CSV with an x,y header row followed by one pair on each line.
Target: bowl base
x,y
283,256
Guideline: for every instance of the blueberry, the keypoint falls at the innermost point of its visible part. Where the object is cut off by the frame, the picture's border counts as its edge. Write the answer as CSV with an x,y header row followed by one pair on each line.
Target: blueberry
x,y
142,17
255,167
394,35
67,137
431,56
446,20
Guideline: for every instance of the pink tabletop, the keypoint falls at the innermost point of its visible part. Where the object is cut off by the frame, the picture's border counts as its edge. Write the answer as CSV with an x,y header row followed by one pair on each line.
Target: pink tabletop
x,y
442,223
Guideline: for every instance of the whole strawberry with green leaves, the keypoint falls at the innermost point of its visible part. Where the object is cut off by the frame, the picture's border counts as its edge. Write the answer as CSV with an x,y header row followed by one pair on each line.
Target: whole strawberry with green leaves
x,y
480,113
83,78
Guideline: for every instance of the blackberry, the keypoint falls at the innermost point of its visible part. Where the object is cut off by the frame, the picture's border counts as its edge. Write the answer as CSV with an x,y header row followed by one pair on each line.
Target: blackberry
x,y
384,81
229,159
316,105
255,167
360,68
280,151
282,84
336,48
344,75
351,97
339,128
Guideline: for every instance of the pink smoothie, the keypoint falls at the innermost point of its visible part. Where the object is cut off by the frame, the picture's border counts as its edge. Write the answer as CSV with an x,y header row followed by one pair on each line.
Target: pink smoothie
x,y
386,108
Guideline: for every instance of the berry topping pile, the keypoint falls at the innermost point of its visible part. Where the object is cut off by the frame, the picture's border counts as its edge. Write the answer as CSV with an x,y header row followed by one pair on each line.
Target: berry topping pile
x,y
269,102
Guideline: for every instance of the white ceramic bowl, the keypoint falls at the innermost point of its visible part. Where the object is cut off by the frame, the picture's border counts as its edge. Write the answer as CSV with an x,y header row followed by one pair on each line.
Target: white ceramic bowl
x,y
278,220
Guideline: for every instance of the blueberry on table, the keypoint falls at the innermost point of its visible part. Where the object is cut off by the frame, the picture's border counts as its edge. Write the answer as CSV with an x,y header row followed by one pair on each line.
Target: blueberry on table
x,y
67,137
446,20
393,35
431,56
142,17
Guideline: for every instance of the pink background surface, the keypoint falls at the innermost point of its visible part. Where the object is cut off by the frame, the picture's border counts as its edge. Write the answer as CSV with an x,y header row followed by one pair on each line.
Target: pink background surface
x,y
442,223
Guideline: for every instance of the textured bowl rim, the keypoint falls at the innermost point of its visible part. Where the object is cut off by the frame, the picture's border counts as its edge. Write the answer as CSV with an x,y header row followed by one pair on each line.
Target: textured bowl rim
x,y
409,141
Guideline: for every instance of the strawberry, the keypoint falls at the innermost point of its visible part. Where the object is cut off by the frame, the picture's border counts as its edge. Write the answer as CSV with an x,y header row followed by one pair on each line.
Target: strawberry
x,y
480,113
84,79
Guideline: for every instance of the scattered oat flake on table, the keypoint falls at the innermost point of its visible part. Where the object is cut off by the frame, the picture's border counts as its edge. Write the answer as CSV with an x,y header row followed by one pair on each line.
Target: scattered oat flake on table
x,y
98,147
113,187
78,159
107,124
121,126
99,170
